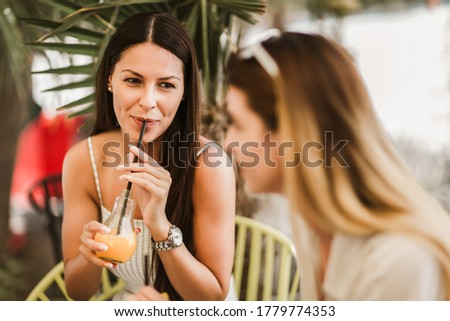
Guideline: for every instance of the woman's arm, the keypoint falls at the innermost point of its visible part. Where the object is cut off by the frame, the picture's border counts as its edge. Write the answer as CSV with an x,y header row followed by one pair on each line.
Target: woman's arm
x,y
208,275
82,269
205,276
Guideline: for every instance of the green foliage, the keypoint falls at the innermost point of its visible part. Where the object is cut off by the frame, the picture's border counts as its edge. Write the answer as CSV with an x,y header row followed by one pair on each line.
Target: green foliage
x,y
11,279
12,38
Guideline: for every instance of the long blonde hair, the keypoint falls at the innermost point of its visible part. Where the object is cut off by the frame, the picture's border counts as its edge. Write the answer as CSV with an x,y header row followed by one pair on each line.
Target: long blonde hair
x,y
319,94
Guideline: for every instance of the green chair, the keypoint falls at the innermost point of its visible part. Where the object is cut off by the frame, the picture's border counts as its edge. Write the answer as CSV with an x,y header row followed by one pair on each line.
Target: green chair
x,y
52,286
265,266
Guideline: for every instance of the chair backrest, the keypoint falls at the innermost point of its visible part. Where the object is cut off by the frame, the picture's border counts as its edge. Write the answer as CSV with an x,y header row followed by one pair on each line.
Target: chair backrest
x,y
46,198
52,286
265,267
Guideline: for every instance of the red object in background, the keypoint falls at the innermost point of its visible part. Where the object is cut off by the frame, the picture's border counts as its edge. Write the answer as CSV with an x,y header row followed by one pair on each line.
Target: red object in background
x,y
43,143
42,146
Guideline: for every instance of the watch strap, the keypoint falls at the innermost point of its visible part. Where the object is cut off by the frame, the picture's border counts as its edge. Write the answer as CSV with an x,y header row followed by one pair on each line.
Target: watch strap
x,y
167,244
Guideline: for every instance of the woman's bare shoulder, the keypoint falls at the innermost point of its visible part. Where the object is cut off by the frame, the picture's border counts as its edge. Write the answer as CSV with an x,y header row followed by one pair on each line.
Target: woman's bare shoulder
x,y
79,153
212,154
76,156
204,141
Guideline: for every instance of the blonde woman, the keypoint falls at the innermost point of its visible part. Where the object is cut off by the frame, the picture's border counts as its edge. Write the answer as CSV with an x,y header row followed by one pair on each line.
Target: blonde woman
x,y
302,124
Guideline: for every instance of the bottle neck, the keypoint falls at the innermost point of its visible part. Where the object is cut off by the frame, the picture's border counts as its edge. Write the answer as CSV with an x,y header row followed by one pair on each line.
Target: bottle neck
x,y
126,193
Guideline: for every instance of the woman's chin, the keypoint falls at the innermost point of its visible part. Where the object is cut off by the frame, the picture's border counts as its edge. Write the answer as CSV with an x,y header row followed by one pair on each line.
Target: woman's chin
x,y
251,188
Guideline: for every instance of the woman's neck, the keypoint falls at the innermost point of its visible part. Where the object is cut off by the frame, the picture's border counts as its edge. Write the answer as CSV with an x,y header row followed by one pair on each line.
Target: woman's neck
x,y
151,148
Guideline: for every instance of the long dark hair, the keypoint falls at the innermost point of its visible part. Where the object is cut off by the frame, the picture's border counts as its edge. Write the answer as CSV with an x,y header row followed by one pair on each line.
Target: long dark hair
x,y
178,142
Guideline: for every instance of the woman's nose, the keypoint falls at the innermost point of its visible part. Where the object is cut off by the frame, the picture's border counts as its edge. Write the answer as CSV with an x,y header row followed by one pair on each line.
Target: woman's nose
x,y
148,99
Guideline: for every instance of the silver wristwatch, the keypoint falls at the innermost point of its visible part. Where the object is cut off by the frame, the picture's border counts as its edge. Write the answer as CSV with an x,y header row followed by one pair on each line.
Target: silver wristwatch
x,y
174,240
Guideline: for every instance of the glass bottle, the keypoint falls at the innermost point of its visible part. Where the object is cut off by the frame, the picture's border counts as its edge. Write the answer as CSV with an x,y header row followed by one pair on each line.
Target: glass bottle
x,y
121,241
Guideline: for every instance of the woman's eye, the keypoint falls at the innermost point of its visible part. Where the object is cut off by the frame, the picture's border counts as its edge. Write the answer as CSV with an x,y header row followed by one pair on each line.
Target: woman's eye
x,y
167,85
133,81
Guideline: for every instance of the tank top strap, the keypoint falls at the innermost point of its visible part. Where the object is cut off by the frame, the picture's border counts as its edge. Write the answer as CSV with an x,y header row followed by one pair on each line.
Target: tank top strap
x,y
94,169
206,146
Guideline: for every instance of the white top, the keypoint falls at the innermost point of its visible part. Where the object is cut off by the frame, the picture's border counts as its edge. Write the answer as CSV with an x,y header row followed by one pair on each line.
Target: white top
x,y
385,266
133,271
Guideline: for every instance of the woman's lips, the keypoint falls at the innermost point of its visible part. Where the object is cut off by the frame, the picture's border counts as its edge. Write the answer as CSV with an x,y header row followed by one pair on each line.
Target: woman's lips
x,y
139,121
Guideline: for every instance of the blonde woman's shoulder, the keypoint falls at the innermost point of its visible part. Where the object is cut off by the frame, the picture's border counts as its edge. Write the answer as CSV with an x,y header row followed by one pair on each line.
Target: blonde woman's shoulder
x,y
394,266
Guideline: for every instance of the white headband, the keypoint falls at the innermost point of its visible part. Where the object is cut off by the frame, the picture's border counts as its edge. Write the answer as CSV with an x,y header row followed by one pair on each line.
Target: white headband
x,y
261,55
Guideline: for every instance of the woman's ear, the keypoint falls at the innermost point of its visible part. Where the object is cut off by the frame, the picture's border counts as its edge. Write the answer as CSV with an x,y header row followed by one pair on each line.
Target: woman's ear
x,y
109,83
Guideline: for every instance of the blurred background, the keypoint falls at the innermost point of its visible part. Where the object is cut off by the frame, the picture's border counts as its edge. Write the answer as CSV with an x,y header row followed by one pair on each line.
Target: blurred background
x,y
48,52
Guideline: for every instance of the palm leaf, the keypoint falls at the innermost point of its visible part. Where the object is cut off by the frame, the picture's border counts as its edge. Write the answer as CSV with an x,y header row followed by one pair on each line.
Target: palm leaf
x,y
66,24
76,32
65,7
89,82
83,112
245,10
105,5
68,7
87,125
79,102
72,70
16,53
191,23
72,48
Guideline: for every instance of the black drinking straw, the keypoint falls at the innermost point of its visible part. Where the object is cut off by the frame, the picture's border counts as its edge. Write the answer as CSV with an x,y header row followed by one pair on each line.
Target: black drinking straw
x,y
127,193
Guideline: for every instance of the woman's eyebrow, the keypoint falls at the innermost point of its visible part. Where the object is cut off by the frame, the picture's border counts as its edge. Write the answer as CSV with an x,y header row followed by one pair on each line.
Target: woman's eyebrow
x,y
132,72
169,77
139,75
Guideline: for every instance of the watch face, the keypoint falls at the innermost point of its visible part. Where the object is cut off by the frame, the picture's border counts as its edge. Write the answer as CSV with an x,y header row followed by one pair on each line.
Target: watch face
x,y
177,236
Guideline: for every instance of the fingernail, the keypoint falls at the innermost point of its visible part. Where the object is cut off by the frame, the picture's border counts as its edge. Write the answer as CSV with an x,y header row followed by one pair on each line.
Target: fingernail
x,y
102,247
105,229
133,147
108,265
120,167
124,177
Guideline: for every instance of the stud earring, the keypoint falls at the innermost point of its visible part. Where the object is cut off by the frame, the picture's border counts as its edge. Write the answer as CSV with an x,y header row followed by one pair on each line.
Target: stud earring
x,y
109,88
